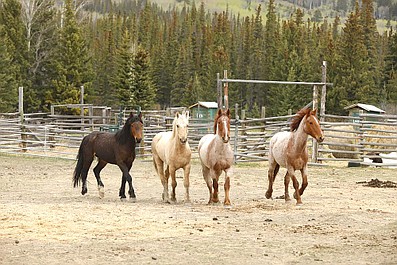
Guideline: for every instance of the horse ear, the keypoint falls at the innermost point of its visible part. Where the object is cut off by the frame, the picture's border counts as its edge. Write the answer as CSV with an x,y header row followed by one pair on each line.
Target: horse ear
x,y
219,113
177,114
314,112
228,113
187,114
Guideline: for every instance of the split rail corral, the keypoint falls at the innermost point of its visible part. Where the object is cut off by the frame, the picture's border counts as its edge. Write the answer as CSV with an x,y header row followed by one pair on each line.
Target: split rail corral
x,y
351,139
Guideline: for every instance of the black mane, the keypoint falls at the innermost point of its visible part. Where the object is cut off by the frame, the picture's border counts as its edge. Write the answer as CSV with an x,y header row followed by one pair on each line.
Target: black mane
x,y
124,135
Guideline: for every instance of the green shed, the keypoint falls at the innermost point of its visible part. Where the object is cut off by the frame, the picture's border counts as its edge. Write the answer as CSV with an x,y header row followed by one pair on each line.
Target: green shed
x,y
204,110
356,109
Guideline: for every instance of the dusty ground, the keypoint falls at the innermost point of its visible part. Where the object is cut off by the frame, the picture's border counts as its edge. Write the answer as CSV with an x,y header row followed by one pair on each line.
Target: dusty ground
x,y
44,220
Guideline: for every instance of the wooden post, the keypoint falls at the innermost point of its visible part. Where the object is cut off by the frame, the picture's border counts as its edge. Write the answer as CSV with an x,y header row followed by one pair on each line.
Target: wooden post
x,y
226,90
236,133
244,132
263,115
314,142
219,90
91,114
323,91
22,119
82,107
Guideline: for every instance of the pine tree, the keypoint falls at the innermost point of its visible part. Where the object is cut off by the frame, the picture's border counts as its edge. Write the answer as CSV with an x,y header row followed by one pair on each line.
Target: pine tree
x,y
352,82
72,64
123,82
142,87
14,37
8,84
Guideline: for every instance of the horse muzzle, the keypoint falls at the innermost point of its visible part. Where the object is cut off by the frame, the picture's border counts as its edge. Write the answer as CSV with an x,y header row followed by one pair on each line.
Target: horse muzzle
x,y
183,141
138,140
320,139
225,139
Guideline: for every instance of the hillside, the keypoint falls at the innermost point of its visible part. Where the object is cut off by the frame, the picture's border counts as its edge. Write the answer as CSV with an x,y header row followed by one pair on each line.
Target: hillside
x,y
317,10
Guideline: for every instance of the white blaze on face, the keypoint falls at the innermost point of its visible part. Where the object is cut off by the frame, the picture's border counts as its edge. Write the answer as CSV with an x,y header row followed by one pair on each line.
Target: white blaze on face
x,y
226,132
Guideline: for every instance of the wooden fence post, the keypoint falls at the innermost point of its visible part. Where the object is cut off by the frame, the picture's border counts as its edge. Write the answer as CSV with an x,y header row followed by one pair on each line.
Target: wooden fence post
x,y
236,132
219,90
22,119
263,116
226,91
314,142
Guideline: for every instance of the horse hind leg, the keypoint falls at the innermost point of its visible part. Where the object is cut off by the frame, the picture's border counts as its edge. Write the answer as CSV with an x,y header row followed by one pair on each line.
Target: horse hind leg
x,y
271,175
208,180
84,174
164,176
97,170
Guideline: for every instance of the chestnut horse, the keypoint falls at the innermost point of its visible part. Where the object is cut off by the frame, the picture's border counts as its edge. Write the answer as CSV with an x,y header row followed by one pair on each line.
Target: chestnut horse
x,y
114,148
289,150
171,151
216,155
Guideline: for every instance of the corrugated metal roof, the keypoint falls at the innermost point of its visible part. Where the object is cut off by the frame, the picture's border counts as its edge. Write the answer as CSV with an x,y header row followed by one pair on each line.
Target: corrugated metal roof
x,y
206,104
366,107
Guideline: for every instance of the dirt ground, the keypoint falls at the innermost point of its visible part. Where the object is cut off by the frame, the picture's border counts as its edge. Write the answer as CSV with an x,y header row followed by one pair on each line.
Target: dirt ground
x,y
44,220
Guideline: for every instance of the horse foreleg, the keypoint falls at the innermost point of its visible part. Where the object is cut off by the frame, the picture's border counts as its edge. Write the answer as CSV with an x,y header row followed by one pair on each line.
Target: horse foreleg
x,y
186,182
164,176
97,170
286,184
304,180
227,189
126,178
297,195
215,198
173,183
271,175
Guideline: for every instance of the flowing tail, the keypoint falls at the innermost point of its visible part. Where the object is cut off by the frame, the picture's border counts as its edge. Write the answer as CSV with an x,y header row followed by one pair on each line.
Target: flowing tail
x,y
79,165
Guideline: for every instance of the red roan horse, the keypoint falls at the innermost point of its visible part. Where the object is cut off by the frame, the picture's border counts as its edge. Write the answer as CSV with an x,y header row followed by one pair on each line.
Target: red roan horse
x,y
216,155
289,150
115,148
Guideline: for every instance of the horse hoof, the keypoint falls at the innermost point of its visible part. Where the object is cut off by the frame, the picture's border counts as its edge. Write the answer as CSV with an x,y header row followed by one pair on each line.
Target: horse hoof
x,y
133,199
268,195
123,199
227,206
299,203
101,191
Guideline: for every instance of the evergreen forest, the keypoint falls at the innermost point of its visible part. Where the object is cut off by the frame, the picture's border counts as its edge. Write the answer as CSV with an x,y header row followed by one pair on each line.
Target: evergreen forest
x,y
136,53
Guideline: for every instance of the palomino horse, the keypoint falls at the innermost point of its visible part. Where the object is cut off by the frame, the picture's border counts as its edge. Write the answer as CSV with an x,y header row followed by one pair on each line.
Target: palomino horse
x,y
216,155
171,151
289,150
114,148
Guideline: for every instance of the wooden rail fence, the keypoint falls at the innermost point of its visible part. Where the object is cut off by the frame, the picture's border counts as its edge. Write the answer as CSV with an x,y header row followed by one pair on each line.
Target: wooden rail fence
x,y
351,139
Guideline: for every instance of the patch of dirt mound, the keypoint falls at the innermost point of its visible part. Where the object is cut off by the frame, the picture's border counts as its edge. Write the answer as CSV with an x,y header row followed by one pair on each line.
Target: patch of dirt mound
x,y
376,183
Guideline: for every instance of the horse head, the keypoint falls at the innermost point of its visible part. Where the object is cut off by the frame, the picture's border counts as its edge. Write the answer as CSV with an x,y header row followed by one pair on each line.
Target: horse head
x,y
180,126
222,125
312,126
136,126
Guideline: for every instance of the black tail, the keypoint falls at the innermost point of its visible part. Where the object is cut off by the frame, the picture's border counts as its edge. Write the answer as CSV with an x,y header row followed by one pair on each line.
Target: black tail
x,y
79,165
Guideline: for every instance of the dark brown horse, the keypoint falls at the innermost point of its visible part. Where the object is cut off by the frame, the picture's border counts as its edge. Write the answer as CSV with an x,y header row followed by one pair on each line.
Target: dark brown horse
x,y
114,148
